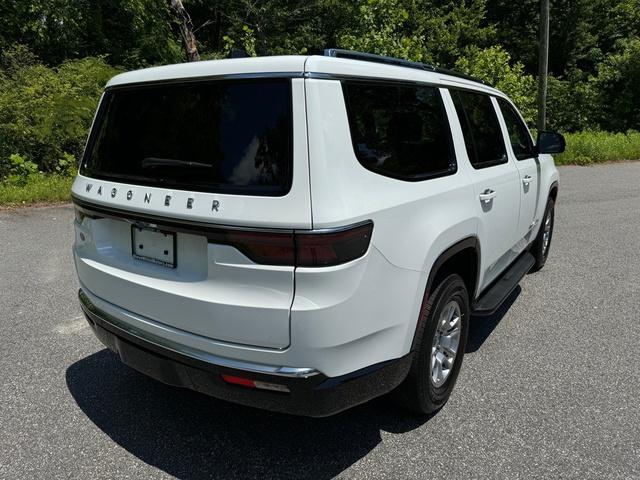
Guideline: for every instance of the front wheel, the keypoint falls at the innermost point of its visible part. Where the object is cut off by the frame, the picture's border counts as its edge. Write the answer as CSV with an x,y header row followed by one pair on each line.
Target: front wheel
x,y
444,324
542,243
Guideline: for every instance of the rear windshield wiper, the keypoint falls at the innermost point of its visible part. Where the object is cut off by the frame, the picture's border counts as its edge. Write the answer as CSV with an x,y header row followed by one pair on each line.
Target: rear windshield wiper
x,y
171,162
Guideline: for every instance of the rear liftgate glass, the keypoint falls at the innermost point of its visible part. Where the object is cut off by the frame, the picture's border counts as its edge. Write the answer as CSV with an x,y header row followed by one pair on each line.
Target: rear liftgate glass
x,y
231,137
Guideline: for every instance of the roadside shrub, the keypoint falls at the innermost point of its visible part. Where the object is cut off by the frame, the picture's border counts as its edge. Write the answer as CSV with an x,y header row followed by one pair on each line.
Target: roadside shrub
x,y
67,165
584,148
20,169
45,113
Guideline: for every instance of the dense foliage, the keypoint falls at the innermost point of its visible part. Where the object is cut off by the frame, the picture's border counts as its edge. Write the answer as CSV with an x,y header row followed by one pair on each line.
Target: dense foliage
x,y
56,55
45,112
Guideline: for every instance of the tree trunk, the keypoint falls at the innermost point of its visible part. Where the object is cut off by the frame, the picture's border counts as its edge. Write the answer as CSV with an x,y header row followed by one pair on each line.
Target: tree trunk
x,y
186,31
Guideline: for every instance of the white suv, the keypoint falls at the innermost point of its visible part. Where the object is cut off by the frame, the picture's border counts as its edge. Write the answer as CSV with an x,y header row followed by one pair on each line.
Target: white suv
x,y
305,233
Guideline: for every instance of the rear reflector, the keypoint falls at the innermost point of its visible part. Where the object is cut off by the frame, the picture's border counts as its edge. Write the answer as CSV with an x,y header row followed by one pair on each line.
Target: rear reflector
x,y
245,382
300,248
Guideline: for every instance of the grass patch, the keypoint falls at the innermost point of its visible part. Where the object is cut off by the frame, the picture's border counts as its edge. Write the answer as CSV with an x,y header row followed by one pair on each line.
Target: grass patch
x,y
36,188
585,148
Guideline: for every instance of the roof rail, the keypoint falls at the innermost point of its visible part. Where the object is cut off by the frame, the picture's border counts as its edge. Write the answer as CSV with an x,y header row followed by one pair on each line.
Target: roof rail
x,y
400,62
372,57
453,73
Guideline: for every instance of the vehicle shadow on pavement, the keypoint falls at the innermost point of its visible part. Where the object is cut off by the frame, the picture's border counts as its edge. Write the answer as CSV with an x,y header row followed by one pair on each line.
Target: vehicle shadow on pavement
x,y
193,436
481,327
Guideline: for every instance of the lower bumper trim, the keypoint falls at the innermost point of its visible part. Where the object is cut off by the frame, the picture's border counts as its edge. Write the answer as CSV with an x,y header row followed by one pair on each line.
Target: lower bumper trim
x,y
316,395
284,371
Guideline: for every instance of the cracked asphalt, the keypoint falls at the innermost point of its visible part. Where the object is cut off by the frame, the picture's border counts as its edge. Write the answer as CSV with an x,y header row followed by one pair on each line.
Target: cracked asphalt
x,y
549,388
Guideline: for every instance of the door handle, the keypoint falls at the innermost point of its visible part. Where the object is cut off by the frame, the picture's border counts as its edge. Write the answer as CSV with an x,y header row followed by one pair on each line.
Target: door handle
x,y
487,195
527,179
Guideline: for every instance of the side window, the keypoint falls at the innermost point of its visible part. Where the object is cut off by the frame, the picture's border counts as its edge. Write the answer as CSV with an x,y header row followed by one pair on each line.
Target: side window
x,y
518,132
399,130
480,128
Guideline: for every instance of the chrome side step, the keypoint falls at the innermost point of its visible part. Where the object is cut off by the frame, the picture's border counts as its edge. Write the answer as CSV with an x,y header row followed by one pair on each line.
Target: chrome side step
x,y
492,298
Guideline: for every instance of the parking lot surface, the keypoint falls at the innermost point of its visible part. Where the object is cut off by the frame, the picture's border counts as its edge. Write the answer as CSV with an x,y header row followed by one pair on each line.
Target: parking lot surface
x,y
550,386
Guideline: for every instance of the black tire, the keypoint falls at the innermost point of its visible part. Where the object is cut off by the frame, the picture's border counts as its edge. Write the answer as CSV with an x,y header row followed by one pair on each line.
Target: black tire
x,y
538,249
418,392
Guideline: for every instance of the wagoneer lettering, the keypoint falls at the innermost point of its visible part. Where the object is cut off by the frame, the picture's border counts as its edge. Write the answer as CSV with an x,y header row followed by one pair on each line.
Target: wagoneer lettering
x,y
371,206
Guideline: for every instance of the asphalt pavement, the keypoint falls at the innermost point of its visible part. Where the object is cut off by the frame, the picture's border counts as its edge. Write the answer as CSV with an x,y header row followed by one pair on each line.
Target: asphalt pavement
x,y
549,388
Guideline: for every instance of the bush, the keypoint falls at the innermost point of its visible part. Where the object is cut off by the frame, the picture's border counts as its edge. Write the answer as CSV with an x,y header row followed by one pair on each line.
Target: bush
x,y
584,148
20,169
45,113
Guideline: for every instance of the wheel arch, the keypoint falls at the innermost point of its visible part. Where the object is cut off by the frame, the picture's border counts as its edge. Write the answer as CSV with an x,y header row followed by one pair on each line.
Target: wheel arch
x,y
553,190
462,258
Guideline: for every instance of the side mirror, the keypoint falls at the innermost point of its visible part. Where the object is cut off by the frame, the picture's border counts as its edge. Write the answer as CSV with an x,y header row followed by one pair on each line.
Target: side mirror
x,y
550,142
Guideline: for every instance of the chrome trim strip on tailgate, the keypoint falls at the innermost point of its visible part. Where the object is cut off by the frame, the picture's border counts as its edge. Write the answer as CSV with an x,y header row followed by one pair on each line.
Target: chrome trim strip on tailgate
x,y
282,371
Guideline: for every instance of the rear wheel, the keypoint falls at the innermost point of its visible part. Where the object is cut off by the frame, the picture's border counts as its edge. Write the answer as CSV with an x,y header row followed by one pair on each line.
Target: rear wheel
x,y
542,243
445,324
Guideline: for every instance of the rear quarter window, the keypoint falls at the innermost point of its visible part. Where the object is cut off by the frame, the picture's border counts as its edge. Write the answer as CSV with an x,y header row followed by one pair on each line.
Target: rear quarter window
x,y
399,130
214,136
480,129
519,136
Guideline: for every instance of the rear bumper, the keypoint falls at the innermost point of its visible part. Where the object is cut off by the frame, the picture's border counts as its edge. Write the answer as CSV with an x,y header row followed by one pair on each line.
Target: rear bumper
x,y
311,393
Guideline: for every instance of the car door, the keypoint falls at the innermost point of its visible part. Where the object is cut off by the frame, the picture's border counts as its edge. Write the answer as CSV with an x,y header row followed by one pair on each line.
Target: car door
x,y
495,179
522,151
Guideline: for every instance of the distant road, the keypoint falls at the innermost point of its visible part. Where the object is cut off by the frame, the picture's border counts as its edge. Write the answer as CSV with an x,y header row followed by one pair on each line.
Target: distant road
x,y
549,389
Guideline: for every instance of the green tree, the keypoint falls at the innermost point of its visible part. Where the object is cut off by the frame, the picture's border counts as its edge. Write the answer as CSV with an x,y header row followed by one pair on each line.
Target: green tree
x,y
571,103
619,89
494,66
420,30
267,27
132,33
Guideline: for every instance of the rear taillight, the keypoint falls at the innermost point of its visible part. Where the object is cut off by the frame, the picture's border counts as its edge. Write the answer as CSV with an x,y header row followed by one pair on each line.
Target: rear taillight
x,y
264,247
321,248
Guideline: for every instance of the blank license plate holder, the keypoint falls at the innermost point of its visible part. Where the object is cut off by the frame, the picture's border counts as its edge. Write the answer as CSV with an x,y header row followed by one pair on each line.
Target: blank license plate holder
x,y
154,246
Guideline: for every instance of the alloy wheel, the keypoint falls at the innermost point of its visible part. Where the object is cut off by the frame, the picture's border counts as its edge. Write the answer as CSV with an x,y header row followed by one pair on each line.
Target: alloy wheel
x,y
445,343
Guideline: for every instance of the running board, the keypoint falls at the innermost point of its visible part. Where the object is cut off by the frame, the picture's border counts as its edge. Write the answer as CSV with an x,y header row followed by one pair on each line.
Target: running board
x,y
500,290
